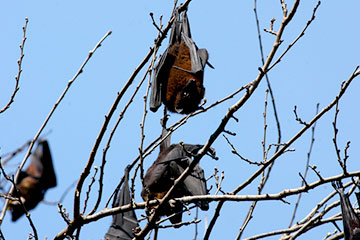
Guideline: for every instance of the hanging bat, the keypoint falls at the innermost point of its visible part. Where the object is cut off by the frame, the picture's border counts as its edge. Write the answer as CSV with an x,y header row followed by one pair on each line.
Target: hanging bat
x,y
124,223
351,221
170,164
178,76
34,182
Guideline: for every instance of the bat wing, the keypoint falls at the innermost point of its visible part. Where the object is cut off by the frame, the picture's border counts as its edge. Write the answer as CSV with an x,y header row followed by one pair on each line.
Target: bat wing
x,y
158,178
162,69
42,153
198,57
195,183
351,221
159,82
123,223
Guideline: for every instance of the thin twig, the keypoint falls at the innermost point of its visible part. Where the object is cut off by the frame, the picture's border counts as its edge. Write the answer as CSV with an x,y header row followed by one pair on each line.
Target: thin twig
x,y
299,36
89,190
19,62
307,165
234,151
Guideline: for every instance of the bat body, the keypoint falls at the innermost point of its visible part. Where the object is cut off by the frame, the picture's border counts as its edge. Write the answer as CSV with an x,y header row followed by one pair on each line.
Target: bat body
x,y
34,182
351,220
124,223
178,76
170,164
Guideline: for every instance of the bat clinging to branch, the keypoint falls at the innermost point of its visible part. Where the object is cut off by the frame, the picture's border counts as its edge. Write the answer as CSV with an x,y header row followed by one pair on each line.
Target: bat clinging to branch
x,y
178,76
124,223
33,183
351,220
170,164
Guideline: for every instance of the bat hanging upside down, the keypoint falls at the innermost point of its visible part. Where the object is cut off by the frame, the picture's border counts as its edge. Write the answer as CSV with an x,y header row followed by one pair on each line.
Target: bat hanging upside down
x,y
124,224
351,220
170,164
33,183
178,76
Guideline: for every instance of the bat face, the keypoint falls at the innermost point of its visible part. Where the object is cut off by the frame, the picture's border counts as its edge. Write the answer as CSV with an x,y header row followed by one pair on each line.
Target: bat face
x,y
170,164
178,76
351,221
33,183
125,223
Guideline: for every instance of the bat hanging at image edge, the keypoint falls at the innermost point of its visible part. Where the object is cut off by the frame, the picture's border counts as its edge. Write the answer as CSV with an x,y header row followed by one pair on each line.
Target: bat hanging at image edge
x,y
351,220
34,182
178,76
124,224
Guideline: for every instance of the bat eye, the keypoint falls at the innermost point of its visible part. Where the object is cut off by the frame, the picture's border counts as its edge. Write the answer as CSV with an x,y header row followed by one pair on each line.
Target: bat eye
x,y
186,94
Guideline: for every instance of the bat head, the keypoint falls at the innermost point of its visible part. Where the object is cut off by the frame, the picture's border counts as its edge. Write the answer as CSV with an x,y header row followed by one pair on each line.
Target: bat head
x,y
188,99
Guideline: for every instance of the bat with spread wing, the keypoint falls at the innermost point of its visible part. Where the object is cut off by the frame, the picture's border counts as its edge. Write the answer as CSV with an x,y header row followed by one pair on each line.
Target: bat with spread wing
x,y
124,223
178,76
351,220
170,164
34,182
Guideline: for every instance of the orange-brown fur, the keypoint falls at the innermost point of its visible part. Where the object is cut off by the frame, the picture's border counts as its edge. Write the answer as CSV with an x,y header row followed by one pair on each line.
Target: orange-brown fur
x,y
179,78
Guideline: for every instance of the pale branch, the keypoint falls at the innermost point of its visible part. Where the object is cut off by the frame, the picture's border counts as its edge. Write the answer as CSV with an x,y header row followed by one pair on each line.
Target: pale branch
x,y
292,229
19,62
192,199
334,236
195,221
48,118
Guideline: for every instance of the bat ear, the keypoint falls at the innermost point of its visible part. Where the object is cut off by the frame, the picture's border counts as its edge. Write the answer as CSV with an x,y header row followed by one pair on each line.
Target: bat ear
x,y
204,57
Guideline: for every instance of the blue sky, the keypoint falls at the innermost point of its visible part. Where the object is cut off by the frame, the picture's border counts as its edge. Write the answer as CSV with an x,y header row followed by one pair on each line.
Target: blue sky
x,y
60,34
